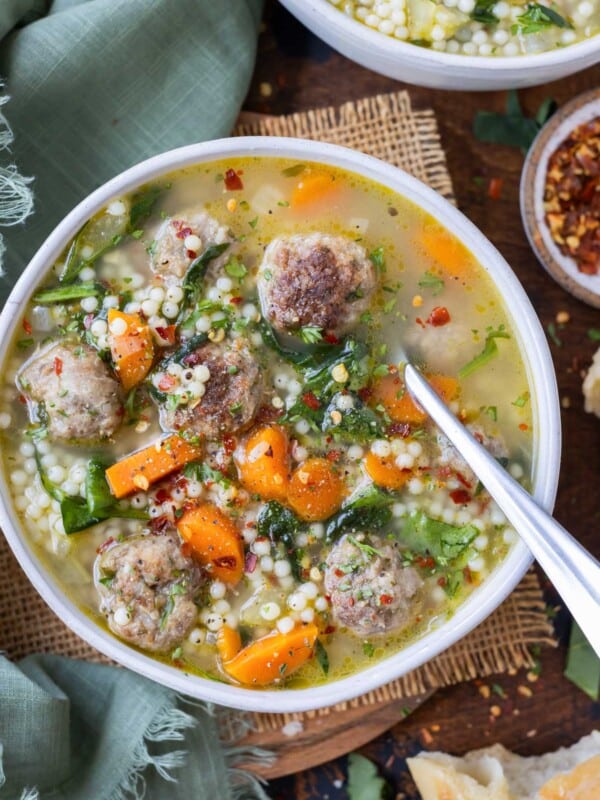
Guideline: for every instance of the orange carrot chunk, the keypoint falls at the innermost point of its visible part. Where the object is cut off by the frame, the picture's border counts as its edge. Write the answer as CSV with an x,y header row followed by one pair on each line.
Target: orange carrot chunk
x,y
264,464
448,253
141,469
390,392
384,472
273,657
316,490
131,345
229,643
215,541
312,189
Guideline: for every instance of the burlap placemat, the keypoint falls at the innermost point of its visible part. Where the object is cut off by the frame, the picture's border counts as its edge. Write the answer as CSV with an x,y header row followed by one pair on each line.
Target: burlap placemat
x,y
387,127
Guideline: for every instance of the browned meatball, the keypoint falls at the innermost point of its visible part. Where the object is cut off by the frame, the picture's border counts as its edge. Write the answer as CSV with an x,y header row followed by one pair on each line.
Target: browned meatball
x,y
147,588
171,255
315,280
70,386
371,592
232,393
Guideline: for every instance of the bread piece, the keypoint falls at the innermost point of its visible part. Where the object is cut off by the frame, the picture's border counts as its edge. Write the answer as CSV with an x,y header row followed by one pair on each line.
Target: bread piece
x,y
494,773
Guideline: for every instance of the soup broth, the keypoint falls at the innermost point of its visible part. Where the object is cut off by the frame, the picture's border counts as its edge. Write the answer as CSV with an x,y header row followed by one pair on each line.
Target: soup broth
x,y
207,437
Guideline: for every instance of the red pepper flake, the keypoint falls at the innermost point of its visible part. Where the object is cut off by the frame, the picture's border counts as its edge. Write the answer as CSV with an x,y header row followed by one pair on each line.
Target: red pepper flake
x,y
439,316
460,477
162,496
523,427
468,575
399,429
334,455
495,188
425,562
182,232
232,180
22,399
420,322
229,444
166,382
167,334
386,599
236,301
461,497
191,253
310,400
338,573
442,581
58,365
225,562
331,338
351,602
365,394
329,629
105,545
251,562
27,326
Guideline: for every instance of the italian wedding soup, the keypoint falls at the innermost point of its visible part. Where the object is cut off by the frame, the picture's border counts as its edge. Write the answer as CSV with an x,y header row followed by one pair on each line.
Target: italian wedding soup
x,y
207,437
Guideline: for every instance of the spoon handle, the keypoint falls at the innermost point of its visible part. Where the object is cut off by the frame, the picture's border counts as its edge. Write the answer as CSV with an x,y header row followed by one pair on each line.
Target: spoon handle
x,y
574,572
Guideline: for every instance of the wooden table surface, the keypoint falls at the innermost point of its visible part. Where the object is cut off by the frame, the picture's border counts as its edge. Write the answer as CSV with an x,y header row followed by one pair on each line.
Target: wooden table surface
x,y
301,73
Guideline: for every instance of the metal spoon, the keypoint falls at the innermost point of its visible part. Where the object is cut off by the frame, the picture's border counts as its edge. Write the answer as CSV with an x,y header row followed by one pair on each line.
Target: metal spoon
x,y
574,572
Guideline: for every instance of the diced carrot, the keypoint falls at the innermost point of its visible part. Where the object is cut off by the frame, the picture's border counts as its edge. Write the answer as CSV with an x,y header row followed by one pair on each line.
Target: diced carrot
x,y
447,251
133,350
383,471
229,643
312,189
264,463
390,392
273,657
316,490
215,541
141,469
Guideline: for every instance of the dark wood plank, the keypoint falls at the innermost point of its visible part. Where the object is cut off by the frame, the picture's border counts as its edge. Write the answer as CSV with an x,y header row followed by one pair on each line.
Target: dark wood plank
x,y
295,72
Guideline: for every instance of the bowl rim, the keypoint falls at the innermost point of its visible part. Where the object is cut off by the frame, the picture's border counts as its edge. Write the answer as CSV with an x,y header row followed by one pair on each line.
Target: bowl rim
x,y
541,377
389,47
577,111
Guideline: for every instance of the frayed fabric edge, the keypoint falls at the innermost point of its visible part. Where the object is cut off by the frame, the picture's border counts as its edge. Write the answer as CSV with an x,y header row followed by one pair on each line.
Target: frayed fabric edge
x,y
16,198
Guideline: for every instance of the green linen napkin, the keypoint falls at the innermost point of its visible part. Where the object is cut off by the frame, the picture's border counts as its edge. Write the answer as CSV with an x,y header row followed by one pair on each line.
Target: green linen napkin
x,y
99,85
96,86
80,731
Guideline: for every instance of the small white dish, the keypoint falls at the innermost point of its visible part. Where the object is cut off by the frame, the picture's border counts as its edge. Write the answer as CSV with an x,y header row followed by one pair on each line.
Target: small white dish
x,y
426,67
544,399
561,267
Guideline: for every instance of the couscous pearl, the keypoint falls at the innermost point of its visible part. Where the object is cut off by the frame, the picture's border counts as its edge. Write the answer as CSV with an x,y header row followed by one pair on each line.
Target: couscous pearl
x,y
281,568
87,274
381,448
466,6
249,535
462,518
437,33
201,373
217,590
110,301
438,595
22,503
49,460
568,37
98,327
221,607
214,622
249,311
174,294
345,402
116,209
70,487
197,636
452,46
5,420
476,564
30,466
509,536
154,511
302,427
194,489
178,495
500,37
315,574
157,293
302,539
277,402
479,37
321,604
300,453
224,284
89,304
266,564
497,517
256,339
511,49
372,20
401,32
399,17
398,509
270,611
262,547
469,48
34,512
281,380
405,461
415,449
448,516
294,386
481,542
150,308
27,449
317,529
231,620
297,601
516,470
192,242
118,327
355,452
309,589
585,9
287,583
501,9
307,615
416,486
203,324
56,474
213,294
121,616
285,625
170,309
485,49
386,26
139,500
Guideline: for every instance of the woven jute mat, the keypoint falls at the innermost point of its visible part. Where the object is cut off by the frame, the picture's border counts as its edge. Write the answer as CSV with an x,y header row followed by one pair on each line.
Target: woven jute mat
x,y
387,127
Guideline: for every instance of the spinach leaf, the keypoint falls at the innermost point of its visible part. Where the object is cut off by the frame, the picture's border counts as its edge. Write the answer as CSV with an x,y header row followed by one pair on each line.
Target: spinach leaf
x,y
368,509
490,349
322,656
307,357
62,294
442,541
352,357
142,206
583,665
97,491
538,18
279,524
483,12
364,782
192,282
512,128
357,424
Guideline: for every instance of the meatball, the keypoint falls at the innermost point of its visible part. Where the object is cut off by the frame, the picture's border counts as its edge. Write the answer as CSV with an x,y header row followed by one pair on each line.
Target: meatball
x,y
371,592
70,387
175,248
315,280
232,393
451,459
147,586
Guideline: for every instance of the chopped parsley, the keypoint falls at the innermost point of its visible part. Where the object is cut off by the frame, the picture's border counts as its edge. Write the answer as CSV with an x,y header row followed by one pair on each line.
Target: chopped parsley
x,y
235,268
490,349
377,257
538,18
521,401
311,334
433,282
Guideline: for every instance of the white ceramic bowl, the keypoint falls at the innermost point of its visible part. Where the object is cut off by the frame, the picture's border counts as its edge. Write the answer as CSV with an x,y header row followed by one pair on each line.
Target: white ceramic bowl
x,y
544,399
425,67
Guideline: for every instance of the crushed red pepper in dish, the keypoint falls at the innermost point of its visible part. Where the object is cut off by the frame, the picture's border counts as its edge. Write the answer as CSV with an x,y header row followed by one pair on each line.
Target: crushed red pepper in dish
x,y
572,196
